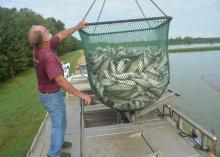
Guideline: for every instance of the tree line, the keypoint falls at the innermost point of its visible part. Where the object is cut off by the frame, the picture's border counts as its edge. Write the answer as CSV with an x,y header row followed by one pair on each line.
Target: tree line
x,y
191,40
15,51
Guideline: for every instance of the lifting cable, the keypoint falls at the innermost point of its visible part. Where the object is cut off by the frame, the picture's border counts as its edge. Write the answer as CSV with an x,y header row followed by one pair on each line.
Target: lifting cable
x,y
136,1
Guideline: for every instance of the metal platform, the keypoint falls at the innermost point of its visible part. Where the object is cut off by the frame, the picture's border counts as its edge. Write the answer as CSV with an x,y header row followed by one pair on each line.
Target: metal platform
x,y
149,135
97,131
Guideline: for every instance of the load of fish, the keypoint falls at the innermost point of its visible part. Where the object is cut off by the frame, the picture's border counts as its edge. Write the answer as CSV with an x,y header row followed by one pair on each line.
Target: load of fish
x,y
129,79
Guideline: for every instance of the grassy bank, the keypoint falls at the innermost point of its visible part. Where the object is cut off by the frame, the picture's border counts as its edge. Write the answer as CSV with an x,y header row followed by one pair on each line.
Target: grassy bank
x,y
21,112
194,49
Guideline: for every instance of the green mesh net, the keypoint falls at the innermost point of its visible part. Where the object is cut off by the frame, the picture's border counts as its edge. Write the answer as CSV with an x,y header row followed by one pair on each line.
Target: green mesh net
x,y
127,61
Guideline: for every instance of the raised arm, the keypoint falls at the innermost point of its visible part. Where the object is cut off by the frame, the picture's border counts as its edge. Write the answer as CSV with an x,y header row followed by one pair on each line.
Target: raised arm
x,y
65,33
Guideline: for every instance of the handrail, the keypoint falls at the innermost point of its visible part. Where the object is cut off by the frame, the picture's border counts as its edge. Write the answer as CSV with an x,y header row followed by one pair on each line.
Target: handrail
x,y
180,116
37,135
81,128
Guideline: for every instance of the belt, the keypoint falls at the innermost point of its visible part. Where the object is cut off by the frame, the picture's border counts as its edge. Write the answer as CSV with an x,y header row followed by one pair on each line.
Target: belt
x,y
50,92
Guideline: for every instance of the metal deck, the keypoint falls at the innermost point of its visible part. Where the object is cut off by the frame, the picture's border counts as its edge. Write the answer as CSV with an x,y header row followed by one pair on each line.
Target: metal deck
x,y
104,137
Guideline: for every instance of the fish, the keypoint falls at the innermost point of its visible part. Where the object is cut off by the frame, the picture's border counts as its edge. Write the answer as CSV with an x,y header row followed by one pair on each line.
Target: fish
x,y
113,67
156,91
108,76
162,84
142,83
127,82
154,82
119,87
101,90
120,107
118,100
134,65
146,59
122,65
115,105
103,67
124,76
126,107
138,104
129,78
125,94
114,52
150,94
131,106
141,64
149,74
106,82
143,98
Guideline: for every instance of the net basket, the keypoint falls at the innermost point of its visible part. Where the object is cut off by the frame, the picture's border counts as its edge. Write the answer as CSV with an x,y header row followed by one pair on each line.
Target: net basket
x,y
127,61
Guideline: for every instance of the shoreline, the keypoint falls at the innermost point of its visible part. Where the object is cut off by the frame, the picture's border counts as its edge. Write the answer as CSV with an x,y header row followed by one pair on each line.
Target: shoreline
x,y
182,50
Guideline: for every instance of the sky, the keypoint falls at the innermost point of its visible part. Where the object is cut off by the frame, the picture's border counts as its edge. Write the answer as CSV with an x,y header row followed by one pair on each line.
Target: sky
x,y
190,17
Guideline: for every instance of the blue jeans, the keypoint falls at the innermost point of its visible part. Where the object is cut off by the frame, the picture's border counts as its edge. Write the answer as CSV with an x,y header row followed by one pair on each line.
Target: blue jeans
x,y
55,106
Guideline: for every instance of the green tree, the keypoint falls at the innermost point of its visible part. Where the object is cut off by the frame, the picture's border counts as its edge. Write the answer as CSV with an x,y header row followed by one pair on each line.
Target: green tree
x,y
15,51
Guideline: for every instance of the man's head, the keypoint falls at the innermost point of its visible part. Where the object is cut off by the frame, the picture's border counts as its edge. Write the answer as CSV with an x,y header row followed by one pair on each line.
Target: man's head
x,y
38,36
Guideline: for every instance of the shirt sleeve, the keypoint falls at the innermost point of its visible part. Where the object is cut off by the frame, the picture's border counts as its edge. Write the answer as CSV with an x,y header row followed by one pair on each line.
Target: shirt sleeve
x,y
52,67
54,42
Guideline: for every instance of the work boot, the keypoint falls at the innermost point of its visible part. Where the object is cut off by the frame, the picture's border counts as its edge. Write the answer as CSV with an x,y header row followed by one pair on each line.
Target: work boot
x,y
66,144
63,154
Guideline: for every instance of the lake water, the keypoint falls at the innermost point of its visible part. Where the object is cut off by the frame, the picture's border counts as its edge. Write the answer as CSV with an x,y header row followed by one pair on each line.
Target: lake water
x,y
198,100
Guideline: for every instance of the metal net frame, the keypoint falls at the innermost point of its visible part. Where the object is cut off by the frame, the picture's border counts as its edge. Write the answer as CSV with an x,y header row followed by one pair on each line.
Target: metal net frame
x,y
127,61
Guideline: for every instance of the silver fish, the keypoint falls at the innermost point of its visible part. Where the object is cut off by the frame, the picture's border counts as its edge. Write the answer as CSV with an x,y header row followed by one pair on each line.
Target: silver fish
x,y
119,87
142,83
141,64
108,76
107,82
137,104
127,82
143,98
131,106
130,78
103,67
134,65
124,76
113,67
118,100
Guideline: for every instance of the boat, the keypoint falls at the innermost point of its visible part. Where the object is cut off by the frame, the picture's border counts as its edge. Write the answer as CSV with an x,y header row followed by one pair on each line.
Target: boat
x,y
160,130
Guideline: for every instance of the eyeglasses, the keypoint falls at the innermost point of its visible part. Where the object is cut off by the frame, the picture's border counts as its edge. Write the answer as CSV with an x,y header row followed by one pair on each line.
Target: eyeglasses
x,y
46,31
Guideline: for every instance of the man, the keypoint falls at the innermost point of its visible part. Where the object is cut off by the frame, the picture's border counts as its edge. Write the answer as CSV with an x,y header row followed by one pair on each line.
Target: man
x,y
50,80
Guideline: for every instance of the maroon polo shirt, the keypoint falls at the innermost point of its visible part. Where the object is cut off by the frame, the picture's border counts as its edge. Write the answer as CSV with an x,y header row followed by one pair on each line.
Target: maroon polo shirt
x,y
47,67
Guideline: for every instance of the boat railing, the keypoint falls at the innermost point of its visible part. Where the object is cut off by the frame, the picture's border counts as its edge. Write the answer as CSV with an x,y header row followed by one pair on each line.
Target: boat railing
x,y
204,139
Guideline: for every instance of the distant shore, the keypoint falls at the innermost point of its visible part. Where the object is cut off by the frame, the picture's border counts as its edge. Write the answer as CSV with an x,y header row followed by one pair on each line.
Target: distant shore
x,y
191,41
194,49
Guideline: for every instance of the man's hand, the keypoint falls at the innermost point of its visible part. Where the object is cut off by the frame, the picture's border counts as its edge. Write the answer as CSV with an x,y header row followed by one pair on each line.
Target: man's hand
x,y
87,98
65,33
82,25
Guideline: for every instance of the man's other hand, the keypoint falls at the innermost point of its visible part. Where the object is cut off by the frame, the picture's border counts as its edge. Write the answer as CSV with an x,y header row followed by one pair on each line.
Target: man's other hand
x,y
82,25
87,98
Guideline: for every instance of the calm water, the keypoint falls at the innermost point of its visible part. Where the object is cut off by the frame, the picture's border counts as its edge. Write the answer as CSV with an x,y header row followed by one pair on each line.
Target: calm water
x,y
199,101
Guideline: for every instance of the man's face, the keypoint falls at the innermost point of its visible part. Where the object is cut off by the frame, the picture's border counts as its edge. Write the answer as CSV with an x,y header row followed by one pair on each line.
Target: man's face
x,y
46,35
